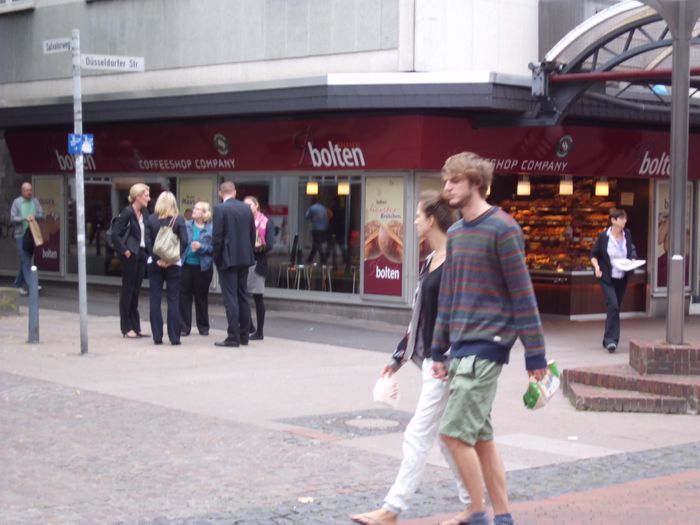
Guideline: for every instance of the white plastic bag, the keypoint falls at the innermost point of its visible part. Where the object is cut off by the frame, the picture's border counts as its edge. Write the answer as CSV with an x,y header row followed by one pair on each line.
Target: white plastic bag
x,y
386,391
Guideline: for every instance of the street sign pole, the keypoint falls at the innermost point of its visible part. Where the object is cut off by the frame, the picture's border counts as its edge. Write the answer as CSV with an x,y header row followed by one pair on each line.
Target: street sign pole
x,y
79,192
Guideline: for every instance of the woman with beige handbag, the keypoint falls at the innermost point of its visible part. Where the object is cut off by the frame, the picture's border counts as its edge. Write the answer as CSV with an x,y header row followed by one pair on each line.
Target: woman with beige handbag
x,y
166,242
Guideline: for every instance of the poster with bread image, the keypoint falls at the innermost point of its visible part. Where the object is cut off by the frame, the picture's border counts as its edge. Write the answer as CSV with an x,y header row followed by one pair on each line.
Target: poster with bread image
x,y
384,236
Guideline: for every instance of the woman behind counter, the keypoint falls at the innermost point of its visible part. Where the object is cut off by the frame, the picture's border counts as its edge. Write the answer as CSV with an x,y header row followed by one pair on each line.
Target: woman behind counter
x,y
613,243
130,244
160,271
197,270
264,239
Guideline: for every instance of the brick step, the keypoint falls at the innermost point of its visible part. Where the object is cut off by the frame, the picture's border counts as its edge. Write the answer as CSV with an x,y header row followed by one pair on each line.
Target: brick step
x,y
600,399
624,377
662,358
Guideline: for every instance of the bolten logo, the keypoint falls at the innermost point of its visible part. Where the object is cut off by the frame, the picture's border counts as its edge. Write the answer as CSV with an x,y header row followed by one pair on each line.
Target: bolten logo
x,y
564,146
221,144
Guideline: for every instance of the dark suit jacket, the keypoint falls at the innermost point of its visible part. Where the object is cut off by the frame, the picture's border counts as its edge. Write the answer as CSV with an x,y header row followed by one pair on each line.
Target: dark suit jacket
x,y
233,235
127,232
600,252
154,224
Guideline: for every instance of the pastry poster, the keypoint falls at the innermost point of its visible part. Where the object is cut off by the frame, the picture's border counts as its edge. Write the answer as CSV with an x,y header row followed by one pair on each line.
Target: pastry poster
x,y
661,244
49,191
384,236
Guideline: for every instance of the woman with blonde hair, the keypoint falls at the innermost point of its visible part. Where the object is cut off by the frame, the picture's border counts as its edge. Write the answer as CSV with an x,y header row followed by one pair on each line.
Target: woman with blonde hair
x,y
197,270
264,239
130,244
160,271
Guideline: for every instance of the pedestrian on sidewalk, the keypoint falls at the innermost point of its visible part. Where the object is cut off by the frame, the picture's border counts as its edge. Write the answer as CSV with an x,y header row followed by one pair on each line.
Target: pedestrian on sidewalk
x,y
433,218
25,209
257,273
613,243
160,271
197,270
130,243
234,243
486,302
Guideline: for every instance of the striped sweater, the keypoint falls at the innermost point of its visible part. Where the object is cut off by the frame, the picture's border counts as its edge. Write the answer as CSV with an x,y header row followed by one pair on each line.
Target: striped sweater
x,y
486,297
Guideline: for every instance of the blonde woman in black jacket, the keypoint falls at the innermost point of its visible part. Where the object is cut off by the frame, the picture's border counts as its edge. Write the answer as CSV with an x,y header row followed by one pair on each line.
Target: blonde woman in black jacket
x,y
130,245
613,243
160,271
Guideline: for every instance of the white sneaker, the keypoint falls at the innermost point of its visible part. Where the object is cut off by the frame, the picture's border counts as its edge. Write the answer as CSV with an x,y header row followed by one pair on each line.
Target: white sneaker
x,y
22,291
39,288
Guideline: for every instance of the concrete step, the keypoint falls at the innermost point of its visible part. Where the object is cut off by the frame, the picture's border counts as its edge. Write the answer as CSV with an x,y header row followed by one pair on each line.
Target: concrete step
x,y
624,377
601,399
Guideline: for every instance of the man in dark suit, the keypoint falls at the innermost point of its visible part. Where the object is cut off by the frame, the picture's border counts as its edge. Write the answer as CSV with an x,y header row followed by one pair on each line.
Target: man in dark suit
x,y
234,244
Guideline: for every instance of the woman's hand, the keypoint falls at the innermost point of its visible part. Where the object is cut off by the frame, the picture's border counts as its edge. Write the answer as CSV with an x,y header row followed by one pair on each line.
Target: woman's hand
x,y
388,370
162,263
195,246
598,272
439,370
127,253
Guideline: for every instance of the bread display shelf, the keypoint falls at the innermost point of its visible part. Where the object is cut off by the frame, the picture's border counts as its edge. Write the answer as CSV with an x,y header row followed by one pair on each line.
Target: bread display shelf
x,y
558,238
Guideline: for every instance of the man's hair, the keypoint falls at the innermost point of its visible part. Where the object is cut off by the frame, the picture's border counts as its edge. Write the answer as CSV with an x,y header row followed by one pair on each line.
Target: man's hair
x,y
477,170
136,191
166,205
435,205
616,213
227,187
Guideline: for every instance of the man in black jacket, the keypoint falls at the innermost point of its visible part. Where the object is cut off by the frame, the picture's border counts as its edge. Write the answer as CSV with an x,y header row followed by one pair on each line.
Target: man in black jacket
x,y
234,244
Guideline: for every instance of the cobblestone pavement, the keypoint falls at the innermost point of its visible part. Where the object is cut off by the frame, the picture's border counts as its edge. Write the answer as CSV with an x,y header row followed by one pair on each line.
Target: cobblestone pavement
x,y
72,456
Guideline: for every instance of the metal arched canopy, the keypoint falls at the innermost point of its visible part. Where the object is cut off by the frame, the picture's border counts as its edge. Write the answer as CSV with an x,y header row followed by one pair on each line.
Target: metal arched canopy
x,y
621,57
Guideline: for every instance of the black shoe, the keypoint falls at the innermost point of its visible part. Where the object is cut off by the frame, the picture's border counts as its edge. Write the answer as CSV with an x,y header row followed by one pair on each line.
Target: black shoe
x,y
141,334
256,337
175,343
252,329
183,333
244,342
611,347
204,332
227,342
158,342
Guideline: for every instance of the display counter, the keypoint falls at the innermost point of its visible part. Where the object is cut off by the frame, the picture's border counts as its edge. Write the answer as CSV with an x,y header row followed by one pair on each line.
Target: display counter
x,y
578,292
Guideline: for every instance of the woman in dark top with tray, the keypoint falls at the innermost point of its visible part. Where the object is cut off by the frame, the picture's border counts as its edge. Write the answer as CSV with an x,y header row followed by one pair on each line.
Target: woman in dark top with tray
x,y
433,218
613,243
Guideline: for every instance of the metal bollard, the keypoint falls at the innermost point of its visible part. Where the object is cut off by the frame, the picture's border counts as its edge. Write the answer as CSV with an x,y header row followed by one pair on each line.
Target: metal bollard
x,y
33,285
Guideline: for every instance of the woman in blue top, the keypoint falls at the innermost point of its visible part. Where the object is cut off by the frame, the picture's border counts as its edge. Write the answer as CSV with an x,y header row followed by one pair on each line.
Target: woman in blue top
x,y
197,270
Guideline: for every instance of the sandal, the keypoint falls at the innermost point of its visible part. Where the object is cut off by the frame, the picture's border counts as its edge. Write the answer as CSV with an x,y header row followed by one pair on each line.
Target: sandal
x,y
368,518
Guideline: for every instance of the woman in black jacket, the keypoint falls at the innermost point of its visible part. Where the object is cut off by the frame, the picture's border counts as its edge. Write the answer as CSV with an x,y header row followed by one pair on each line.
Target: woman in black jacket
x,y
613,243
159,271
130,245
264,240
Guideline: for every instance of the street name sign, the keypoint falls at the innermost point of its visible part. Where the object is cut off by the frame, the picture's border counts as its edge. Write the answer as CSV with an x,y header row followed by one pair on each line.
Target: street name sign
x,y
112,62
56,45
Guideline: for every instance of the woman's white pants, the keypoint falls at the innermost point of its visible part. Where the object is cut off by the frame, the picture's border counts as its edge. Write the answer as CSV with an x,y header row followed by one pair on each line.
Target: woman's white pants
x,y
419,438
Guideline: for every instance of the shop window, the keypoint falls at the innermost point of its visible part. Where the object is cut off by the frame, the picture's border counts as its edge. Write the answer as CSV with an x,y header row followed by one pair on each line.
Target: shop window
x,y
103,199
559,230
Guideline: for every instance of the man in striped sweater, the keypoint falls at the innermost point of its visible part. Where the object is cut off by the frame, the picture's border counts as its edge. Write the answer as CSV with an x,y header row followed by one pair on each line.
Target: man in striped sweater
x,y
486,302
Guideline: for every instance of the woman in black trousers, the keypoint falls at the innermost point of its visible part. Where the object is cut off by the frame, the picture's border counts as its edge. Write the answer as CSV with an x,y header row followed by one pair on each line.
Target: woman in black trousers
x,y
264,240
160,271
613,243
197,270
130,245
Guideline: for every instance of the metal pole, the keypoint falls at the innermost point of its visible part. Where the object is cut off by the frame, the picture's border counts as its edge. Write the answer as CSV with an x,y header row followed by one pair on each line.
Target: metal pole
x,y
33,306
79,192
680,81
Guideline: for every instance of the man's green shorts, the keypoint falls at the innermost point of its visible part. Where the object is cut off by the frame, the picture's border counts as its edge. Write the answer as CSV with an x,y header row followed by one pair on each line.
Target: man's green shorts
x,y
473,384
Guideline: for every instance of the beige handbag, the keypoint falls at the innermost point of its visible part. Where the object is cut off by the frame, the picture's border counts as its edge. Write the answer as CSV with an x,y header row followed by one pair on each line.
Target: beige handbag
x,y
167,244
